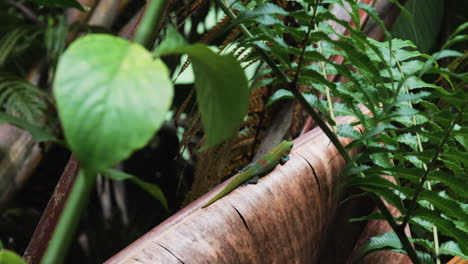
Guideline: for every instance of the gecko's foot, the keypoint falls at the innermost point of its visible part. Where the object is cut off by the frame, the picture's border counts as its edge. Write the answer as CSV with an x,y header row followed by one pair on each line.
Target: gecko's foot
x,y
252,180
283,160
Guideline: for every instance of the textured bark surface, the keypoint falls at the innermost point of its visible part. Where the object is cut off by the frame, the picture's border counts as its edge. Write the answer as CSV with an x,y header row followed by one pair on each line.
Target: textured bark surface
x,y
281,219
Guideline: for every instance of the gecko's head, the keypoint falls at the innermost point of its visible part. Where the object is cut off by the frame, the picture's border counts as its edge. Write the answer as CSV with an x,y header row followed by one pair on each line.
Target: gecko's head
x,y
286,145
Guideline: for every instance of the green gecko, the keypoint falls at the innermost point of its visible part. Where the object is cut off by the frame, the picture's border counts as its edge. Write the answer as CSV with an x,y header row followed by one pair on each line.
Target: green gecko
x,y
251,173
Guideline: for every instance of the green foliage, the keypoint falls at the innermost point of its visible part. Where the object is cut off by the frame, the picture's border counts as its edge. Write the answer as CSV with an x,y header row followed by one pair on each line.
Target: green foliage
x,y
221,87
23,99
120,104
388,240
112,96
17,40
416,131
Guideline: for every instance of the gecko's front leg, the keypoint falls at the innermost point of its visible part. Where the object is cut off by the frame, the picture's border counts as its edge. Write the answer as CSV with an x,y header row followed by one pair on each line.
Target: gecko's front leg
x,y
283,160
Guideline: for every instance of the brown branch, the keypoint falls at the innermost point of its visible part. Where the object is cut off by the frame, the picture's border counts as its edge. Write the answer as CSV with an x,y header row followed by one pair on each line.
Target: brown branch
x,y
281,219
45,228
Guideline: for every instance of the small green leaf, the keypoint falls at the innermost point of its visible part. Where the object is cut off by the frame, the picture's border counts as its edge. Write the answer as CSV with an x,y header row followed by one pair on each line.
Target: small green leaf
x,y
382,159
113,101
356,170
429,245
10,257
280,94
424,257
457,184
411,96
412,174
61,4
415,83
262,14
152,189
451,248
409,139
347,130
388,195
314,78
39,134
384,241
445,204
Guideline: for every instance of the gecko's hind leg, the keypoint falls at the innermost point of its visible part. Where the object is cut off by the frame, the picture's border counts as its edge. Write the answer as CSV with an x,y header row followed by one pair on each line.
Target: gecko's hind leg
x,y
252,180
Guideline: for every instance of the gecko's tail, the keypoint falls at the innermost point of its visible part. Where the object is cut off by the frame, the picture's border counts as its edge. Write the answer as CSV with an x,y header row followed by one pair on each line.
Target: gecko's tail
x,y
209,202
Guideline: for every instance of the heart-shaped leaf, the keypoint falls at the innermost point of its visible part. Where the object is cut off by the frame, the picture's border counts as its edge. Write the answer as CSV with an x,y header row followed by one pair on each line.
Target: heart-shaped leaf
x,y
111,96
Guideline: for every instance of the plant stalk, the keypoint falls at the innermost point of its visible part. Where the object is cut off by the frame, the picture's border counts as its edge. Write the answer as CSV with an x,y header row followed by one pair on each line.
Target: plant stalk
x,y
66,227
150,22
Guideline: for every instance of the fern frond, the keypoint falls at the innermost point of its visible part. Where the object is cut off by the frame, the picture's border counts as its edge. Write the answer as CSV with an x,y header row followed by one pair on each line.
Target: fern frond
x,y
23,99
16,40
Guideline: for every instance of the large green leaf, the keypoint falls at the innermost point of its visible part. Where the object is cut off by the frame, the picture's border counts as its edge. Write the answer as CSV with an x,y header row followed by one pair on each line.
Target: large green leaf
x,y
221,86
111,96
222,92
423,27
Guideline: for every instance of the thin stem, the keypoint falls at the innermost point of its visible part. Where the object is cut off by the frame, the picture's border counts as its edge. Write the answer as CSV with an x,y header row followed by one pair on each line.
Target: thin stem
x,y
285,79
400,232
64,232
150,22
